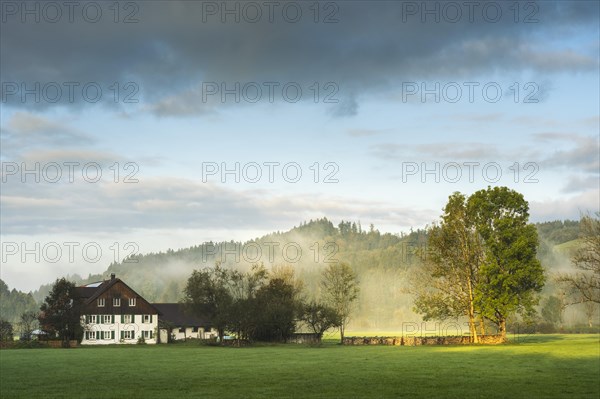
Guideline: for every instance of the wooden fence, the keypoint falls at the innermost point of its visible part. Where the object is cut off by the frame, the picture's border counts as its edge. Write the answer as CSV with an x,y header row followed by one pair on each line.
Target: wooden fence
x,y
416,341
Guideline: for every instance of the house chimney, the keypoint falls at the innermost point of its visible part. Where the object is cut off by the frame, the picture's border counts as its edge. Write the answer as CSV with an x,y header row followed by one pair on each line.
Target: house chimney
x,y
112,276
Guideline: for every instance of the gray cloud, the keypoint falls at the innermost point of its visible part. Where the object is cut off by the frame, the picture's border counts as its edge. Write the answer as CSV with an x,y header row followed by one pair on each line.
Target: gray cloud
x,y
576,153
25,130
346,107
565,208
371,49
167,203
576,184
449,151
188,103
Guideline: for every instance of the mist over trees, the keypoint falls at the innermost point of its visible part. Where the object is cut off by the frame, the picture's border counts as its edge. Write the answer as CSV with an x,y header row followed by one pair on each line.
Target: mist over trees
x,y
14,303
384,263
584,285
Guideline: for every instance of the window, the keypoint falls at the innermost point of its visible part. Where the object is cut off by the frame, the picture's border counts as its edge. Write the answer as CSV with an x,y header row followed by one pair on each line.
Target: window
x,y
107,334
91,335
116,302
182,330
93,319
128,318
106,319
147,318
127,334
101,302
147,334
195,329
131,301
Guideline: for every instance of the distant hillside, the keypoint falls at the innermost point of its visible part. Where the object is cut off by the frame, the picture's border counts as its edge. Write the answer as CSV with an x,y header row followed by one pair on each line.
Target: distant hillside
x,y
568,247
555,237
380,260
558,232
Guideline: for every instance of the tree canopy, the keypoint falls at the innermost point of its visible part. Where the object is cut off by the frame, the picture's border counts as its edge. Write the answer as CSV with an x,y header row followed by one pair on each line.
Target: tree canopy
x,y
482,259
447,283
60,314
340,291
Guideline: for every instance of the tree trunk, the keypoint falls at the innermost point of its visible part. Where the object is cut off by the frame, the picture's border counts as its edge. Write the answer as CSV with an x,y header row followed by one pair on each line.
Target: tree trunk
x,y
589,312
473,330
502,328
342,334
472,327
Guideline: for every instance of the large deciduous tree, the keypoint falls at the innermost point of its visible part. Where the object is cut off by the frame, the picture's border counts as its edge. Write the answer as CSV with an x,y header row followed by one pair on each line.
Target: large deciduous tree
x,y
254,305
340,290
510,274
447,283
60,314
481,260
242,318
207,295
277,310
320,317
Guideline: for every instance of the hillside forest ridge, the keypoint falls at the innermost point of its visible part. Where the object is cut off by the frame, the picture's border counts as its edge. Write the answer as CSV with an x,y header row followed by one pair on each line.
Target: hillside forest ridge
x,y
383,263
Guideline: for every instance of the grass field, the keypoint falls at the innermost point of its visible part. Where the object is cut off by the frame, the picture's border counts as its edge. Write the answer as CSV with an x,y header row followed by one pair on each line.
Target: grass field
x,y
543,366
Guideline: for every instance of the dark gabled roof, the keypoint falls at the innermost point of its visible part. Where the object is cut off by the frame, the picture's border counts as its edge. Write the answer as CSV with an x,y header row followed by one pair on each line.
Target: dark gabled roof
x,y
89,294
85,292
175,313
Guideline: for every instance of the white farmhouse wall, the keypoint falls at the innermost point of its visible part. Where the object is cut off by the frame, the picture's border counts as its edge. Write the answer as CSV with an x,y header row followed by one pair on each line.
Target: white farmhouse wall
x,y
137,326
189,333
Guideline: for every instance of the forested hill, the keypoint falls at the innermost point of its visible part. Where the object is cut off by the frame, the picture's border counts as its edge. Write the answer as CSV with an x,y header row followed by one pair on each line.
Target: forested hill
x,y
558,232
161,276
13,303
381,261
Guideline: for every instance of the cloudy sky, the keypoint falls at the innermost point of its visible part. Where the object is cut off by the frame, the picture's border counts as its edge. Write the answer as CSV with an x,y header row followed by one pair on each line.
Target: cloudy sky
x,y
153,125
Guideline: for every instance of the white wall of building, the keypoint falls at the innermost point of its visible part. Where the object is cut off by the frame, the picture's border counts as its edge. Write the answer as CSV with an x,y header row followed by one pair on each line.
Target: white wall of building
x,y
188,333
138,327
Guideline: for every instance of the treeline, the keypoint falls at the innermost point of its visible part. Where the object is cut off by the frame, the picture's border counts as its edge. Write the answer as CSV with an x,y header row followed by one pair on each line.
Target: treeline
x,y
262,305
14,303
383,263
380,260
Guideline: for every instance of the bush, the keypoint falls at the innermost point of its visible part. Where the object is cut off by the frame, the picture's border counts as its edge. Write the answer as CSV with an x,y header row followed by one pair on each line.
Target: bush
x,y
580,330
545,328
141,341
29,344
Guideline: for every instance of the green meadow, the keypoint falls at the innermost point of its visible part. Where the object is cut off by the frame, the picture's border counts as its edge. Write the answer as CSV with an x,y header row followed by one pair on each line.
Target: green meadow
x,y
537,366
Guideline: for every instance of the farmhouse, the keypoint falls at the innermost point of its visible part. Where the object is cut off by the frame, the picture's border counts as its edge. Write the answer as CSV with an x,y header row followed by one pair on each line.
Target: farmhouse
x,y
114,313
174,321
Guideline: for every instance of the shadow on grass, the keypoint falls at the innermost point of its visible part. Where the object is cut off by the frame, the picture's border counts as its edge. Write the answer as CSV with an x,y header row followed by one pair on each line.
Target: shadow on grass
x,y
516,338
